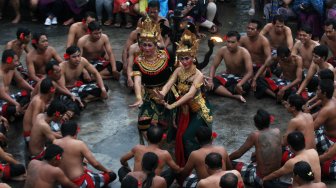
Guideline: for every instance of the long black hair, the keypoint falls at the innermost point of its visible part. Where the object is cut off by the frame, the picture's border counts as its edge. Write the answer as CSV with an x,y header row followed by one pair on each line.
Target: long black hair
x,y
150,162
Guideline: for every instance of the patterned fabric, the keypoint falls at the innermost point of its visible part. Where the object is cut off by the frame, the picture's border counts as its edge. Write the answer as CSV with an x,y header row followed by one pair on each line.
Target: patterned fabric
x,y
191,181
92,180
329,169
249,173
39,156
83,90
102,64
323,143
7,109
229,81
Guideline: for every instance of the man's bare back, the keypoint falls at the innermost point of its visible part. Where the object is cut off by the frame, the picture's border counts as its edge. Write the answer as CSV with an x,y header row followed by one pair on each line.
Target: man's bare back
x,y
213,180
158,181
36,106
327,117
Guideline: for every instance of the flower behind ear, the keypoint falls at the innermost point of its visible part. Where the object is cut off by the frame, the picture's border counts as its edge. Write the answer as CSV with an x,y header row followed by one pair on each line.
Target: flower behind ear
x,y
9,60
66,56
272,118
214,135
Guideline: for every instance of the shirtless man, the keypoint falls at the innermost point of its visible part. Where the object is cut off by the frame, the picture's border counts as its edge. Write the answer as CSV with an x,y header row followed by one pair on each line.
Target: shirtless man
x,y
296,143
329,39
79,29
305,45
257,45
75,151
38,57
46,173
154,136
301,121
267,154
324,123
20,44
41,131
286,83
235,81
72,68
37,105
278,34
320,55
16,103
95,47
149,163
304,176
214,164
196,159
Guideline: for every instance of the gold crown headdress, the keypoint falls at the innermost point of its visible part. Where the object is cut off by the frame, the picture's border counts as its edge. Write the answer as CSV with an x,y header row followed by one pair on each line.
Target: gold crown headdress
x,y
149,30
188,44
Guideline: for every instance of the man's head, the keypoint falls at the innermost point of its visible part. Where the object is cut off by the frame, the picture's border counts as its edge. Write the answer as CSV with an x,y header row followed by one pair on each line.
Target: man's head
x,y
89,17
329,28
295,102
154,134
214,161
129,182
47,86
305,33
53,70
228,180
40,41
296,141
153,9
279,23
326,74
150,162
56,110
303,170
203,135
9,59
95,30
233,38
53,154
23,34
325,89
320,54
73,55
253,28
262,119
283,53
69,128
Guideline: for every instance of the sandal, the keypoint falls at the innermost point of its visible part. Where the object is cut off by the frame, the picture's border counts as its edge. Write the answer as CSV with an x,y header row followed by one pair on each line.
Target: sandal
x,y
108,22
213,29
128,25
117,25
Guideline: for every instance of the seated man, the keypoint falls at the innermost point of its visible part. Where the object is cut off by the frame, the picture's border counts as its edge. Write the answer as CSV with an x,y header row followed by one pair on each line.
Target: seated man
x,y
41,131
96,48
296,142
73,103
278,34
14,104
37,105
38,57
320,55
146,177
329,39
20,44
286,83
196,159
235,81
267,143
75,151
154,136
73,68
301,121
303,176
79,29
324,122
46,173
214,164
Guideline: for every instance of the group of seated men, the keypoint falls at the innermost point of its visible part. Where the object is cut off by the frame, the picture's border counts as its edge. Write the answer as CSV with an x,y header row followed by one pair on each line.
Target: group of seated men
x,y
54,91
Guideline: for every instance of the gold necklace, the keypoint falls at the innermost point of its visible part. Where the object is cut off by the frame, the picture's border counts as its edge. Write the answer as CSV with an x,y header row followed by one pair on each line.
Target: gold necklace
x,y
185,75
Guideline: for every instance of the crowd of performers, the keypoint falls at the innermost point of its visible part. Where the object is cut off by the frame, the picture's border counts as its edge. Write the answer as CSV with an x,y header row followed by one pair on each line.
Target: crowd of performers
x,y
171,93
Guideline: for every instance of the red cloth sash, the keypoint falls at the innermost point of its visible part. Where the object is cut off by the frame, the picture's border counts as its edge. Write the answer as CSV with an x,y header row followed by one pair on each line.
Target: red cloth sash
x,y
182,127
84,177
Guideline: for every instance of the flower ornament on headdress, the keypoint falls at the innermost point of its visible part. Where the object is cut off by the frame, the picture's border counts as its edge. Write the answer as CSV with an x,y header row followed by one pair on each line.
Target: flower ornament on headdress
x,y
66,56
58,157
52,89
22,36
57,114
272,118
214,135
149,30
9,60
188,44
33,41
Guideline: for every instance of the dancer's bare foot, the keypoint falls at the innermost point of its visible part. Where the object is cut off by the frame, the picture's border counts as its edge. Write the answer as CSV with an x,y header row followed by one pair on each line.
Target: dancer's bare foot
x,y
17,19
240,98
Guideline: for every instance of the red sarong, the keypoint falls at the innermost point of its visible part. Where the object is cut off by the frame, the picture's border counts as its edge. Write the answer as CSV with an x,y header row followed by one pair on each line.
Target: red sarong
x,y
183,122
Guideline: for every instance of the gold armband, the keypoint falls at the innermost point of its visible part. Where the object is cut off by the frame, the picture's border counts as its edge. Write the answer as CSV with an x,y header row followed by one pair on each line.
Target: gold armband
x,y
136,73
173,105
197,85
139,97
